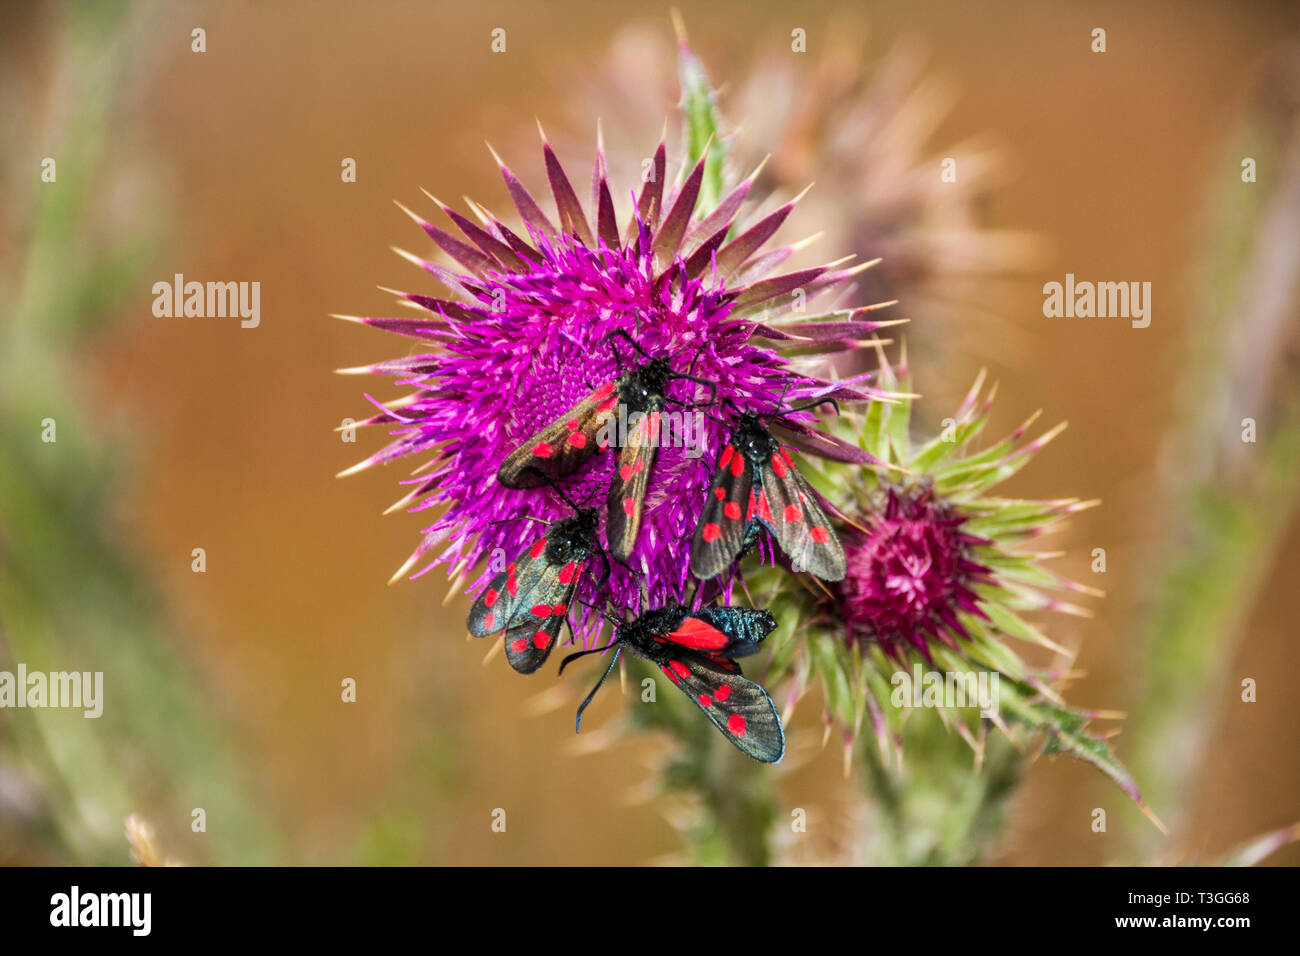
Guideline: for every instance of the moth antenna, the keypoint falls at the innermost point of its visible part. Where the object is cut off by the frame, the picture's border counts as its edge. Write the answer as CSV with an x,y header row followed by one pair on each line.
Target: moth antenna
x,y
551,482
622,334
521,518
690,369
711,386
577,722
802,408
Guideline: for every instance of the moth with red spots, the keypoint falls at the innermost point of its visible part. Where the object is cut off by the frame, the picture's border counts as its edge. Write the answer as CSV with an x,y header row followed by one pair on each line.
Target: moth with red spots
x,y
530,599
756,485
696,650
566,444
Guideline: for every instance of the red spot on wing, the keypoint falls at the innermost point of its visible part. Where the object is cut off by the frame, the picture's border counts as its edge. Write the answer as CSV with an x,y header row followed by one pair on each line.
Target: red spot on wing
x,y
577,439
559,609
538,547
792,514
541,610
722,693
711,532
731,510
542,450
779,466
785,453
737,465
680,669
736,724
519,645
489,619
727,454
719,493
568,573
705,700
490,598
512,586
629,505
541,639
699,635
764,511
820,535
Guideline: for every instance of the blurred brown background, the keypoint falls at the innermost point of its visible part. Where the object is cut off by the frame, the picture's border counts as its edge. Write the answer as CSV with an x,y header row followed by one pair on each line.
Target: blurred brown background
x,y
1109,160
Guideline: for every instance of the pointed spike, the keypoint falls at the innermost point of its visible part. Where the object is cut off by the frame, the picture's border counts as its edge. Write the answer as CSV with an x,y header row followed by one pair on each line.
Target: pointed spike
x,y
399,504
410,257
718,223
481,214
652,190
496,250
679,25
1151,815
355,469
735,253
668,238
1038,443
573,219
529,211
419,220
606,218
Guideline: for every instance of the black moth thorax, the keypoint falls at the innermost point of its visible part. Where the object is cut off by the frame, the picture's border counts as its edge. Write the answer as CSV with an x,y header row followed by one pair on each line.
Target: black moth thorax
x,y
742,625
644,388
754,441
572,539
640,634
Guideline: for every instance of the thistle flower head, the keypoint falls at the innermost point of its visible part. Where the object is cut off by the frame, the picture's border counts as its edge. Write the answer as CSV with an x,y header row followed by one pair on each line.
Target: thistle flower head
x,y
909,574
544,314
938,579
934,558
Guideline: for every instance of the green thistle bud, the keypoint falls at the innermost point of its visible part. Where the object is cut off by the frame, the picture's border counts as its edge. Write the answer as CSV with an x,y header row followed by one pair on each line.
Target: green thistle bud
x,y
939,591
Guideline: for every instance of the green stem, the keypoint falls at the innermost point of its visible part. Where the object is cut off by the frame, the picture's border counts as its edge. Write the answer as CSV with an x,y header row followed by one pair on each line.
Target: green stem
x,y
936,811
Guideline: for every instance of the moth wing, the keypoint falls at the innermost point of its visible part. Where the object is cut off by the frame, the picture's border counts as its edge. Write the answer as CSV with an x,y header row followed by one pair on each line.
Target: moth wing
x,y
563,446
720,533
530,641
789,508
529,579
739,707
627,489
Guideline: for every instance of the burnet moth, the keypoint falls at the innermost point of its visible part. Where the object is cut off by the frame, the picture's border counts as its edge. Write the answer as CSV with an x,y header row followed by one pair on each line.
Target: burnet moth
x,y
530,599
566,444
756,485
696,651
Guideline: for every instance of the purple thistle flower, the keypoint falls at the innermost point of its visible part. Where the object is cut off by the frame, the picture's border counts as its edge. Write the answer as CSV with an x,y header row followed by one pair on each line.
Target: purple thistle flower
x,y
909,574
528,336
